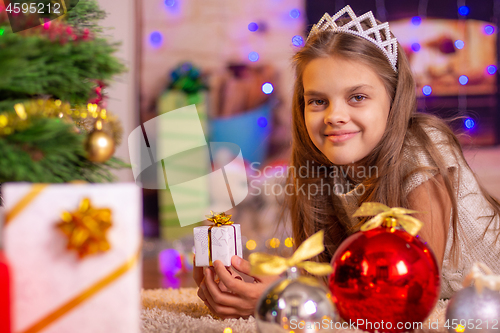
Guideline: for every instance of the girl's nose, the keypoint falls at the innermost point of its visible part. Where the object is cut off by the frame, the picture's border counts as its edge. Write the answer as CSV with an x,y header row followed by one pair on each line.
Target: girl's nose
x,y
336,115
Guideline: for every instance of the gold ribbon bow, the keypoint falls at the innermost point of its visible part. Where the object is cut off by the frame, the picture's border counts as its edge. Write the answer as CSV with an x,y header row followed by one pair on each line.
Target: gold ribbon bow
x,y
266,264
488,280
86,228
383,213
219,219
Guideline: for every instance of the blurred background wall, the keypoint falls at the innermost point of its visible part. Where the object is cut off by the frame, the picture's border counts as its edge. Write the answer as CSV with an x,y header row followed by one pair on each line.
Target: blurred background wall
x,y
120,24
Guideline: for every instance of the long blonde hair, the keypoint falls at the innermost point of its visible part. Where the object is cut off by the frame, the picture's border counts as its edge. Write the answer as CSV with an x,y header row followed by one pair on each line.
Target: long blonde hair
x,y
325,211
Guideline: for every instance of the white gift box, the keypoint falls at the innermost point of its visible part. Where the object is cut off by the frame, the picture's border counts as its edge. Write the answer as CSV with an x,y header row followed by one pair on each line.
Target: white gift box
x,y
225,242
54,290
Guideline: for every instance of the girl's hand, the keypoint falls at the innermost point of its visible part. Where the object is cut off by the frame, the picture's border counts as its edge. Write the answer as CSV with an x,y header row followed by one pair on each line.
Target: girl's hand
x,y
232,297
197,272
198,277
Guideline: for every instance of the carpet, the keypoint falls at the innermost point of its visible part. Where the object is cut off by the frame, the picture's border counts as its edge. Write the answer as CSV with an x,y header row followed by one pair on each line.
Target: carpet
x,y
181,311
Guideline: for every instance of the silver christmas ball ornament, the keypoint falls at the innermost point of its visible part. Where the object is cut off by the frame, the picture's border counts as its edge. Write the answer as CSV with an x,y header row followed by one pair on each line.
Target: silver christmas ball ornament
x,y
470,311
296,303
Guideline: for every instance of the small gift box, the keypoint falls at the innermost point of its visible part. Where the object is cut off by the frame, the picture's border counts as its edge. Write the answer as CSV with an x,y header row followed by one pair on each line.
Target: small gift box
x,y
220,241
74,251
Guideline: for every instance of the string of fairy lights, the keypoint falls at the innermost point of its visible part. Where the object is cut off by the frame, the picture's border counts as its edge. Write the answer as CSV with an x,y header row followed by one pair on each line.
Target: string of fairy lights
x,y
272,243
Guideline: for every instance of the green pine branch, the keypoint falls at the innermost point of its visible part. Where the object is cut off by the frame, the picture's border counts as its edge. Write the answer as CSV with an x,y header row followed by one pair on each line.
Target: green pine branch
x,y
35,66
50,151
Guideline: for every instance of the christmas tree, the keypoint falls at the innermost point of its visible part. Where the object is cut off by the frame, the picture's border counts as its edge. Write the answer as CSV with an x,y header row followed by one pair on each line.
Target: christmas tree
x,y
51,92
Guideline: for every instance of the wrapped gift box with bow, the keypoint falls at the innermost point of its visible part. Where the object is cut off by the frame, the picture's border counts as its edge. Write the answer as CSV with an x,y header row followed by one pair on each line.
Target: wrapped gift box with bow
x,y
219,241
74,251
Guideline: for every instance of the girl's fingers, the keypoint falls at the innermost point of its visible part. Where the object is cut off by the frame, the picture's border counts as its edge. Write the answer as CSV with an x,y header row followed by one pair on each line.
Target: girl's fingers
x,y
216,294
198,275
223,287
201,294
237,286
241,265
244,266
214,306
205,301
210,307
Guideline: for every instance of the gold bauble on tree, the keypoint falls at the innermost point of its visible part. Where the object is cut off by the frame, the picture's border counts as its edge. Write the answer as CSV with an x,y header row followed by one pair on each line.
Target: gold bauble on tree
x,y
99,145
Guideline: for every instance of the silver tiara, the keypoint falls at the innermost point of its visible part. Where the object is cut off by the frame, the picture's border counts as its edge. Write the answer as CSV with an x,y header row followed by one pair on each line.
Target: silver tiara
x,y
389,46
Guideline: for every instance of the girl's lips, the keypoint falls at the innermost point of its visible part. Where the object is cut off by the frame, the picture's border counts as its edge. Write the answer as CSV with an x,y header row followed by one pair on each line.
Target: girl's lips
x,y
342,137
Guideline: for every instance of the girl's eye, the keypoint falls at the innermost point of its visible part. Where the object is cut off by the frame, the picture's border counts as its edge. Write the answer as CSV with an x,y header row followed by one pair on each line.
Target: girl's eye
x,y
358,98
318,102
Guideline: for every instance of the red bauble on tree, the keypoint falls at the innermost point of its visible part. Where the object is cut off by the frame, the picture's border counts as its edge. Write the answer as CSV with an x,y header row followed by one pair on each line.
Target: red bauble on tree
x,y
384,278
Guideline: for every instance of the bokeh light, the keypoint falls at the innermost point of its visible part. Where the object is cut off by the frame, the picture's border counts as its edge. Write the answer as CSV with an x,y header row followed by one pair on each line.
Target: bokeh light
x,y
251,244
156,39
253,26
274,243
262,122
170,3
297,40
489,29
464,10
267,88
459,44
415,47
416,20
253,56
491,69
469,123
294,13
228,330
427,90
289,242
169,262
463,79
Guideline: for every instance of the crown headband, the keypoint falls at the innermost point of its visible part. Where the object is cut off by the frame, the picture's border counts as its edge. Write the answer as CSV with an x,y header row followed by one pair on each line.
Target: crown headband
x,y
389,46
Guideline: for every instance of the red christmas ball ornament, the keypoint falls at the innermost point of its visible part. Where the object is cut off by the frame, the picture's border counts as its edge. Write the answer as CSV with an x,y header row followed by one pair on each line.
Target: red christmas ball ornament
x,y
384,278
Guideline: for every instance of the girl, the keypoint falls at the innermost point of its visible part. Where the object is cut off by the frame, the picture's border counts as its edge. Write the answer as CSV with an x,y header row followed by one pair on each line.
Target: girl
x,y
354,109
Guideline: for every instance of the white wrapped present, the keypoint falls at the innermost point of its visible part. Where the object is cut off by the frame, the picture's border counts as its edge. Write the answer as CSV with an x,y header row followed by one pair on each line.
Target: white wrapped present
x,y
74,252
217,242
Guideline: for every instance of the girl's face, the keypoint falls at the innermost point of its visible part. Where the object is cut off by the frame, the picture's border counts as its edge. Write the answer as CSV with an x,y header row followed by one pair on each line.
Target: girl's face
x,y
346,108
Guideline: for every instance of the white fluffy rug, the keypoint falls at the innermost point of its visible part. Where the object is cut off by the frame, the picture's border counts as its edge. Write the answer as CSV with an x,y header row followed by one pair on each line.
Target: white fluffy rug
x,y
181,311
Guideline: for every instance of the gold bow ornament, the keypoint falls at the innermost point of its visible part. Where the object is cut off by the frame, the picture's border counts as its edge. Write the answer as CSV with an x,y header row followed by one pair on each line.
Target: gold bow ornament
x,y
389,217
86,228
219,219
481,281
204,239
266,264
